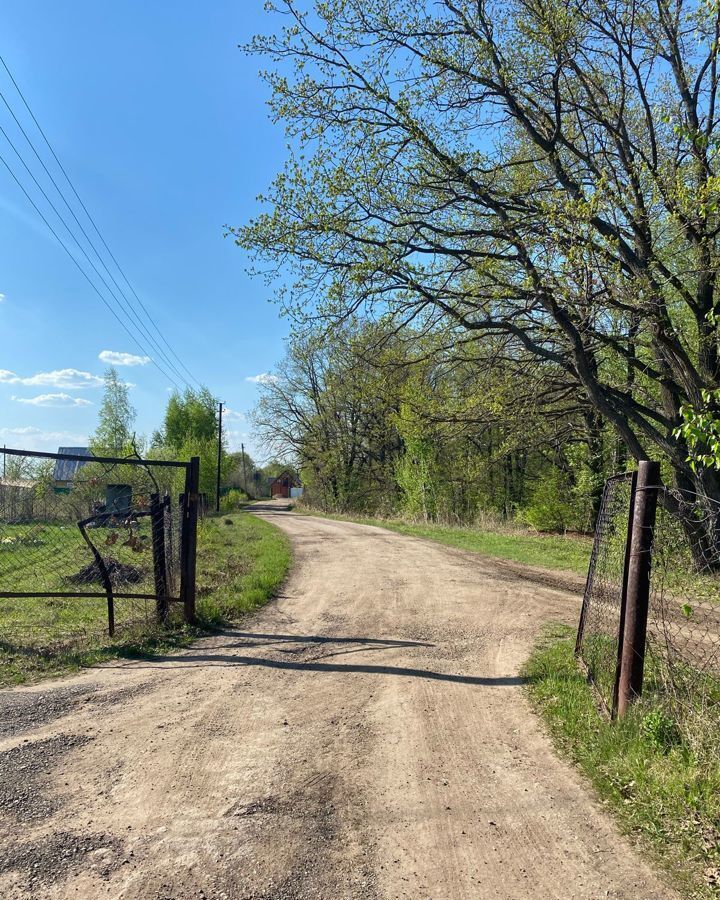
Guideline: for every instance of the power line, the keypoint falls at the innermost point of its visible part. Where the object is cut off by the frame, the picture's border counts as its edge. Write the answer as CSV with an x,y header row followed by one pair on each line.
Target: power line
x,y
80,268
95,227
128,305
79,245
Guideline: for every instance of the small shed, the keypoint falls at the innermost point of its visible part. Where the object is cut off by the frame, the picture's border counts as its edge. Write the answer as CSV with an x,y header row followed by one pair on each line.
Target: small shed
x,y
283,485
66,470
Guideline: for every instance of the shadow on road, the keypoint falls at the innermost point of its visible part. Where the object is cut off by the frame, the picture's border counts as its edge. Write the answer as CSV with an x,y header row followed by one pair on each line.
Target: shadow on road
x,y
269,506
256,639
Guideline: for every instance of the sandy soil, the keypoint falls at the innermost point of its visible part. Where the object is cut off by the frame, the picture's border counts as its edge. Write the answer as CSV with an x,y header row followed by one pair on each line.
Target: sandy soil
x,y
365,736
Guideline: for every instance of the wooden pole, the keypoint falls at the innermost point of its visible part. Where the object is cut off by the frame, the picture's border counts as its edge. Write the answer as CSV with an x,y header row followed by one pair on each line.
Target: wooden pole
x,y
245,484
632,664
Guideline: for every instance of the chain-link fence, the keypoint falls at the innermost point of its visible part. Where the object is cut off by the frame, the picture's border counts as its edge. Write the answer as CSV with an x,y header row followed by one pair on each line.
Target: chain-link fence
x,y
601,618
91,544
680,647
682,669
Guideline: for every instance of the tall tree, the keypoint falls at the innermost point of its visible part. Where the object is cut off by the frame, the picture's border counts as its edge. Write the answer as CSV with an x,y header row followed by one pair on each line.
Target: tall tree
x,y
546,170
192,415
114,431
190,428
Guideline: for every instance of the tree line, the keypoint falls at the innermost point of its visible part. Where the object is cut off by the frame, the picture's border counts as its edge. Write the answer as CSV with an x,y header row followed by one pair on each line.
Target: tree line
x,y
523,197
190,427
413,424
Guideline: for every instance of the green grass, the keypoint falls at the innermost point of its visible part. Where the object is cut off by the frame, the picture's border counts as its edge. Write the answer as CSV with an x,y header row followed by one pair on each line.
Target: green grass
x,y
663,789
567,553
242,560
240,566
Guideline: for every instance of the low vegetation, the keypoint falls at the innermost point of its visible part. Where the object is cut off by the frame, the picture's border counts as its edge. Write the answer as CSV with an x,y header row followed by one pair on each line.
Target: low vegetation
x,y
241,562
660,779
569,553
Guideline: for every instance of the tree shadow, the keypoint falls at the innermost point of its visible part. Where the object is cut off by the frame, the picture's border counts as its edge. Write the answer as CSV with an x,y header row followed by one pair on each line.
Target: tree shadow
x,y
357,644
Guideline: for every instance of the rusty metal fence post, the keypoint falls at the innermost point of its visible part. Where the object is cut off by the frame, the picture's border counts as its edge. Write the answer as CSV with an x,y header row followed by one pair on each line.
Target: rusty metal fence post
x,y
157,521
637,586
189,538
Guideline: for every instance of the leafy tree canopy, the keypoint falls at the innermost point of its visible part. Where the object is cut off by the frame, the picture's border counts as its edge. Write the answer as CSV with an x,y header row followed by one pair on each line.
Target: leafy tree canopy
x,y
114,433
542,171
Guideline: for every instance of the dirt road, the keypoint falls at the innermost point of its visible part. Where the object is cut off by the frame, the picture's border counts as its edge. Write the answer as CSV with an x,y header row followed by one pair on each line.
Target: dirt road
x,y
365,736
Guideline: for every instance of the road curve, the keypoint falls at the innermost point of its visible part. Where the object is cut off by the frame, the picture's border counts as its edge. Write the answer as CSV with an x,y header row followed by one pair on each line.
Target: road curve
x,y
364,736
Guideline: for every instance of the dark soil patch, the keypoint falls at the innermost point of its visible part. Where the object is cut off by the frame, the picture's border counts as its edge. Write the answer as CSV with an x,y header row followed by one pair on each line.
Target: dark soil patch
x,y
58,855
24,773
119,573
22,711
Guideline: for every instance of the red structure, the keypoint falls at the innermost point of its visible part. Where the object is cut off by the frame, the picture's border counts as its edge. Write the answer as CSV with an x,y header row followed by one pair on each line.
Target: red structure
x,y
281,486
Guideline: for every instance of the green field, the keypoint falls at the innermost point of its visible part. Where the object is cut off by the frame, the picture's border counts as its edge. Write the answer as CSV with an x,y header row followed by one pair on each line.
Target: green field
x,y
241,562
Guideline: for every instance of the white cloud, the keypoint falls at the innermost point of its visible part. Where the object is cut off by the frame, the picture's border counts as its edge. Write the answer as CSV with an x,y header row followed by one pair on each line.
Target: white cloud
x,y
118,358
262,378
233,414
70,379
2,298
53,400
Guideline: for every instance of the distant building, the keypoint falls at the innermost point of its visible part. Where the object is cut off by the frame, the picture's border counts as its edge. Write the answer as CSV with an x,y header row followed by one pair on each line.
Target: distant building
x,y
66,470
284,485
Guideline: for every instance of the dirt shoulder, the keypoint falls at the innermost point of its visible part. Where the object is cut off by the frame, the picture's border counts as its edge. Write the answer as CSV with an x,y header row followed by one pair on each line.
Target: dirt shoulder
x,y
365,736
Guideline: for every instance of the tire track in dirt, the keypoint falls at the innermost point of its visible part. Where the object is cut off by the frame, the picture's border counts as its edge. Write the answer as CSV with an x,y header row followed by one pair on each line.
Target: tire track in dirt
x,y
363,737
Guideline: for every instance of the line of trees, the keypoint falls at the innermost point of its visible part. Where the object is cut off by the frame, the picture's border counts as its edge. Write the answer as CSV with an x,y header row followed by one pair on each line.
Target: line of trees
x,y
531,185
189,428
385,423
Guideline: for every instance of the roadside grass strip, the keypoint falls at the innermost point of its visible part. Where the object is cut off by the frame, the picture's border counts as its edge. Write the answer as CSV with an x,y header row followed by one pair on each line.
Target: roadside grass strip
x,y
241,563
657,770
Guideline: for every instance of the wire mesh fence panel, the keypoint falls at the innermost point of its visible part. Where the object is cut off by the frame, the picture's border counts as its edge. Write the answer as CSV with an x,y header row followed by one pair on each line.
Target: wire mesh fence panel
x,y
85,543
601,619
683,655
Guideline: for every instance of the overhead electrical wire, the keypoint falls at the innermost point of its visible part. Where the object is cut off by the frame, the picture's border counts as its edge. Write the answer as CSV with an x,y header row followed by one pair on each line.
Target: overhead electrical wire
x,y
132,312
79,245
153,342
80,268
127,303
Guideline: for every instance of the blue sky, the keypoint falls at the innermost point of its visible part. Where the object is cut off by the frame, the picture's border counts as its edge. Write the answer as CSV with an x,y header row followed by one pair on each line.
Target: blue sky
x,y
161,123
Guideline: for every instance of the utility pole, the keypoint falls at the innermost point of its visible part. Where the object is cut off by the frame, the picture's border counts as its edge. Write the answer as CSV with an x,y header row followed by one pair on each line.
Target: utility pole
x,y
219,461
242,448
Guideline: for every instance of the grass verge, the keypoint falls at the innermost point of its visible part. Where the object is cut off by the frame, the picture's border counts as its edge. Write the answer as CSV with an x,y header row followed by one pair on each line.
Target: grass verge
x,y
242,560
662,791
567,553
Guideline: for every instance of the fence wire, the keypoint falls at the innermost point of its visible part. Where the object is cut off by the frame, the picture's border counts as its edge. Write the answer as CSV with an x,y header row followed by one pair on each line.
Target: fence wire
x,y
70,531
683,652
598,636
682,664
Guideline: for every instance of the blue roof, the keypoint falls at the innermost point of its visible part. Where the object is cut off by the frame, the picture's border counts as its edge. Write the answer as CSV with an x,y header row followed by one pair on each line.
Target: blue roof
x,y
67,469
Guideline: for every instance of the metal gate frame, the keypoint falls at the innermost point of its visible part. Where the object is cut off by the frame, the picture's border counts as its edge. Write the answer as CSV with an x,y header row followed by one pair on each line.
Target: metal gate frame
x,y
189,502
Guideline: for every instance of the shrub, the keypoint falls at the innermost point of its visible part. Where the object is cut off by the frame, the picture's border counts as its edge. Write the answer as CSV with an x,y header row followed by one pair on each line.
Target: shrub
x,y
550,507
232,500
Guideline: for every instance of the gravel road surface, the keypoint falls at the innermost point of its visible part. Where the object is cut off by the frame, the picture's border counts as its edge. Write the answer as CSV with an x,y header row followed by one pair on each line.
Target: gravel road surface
x,y
364,736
